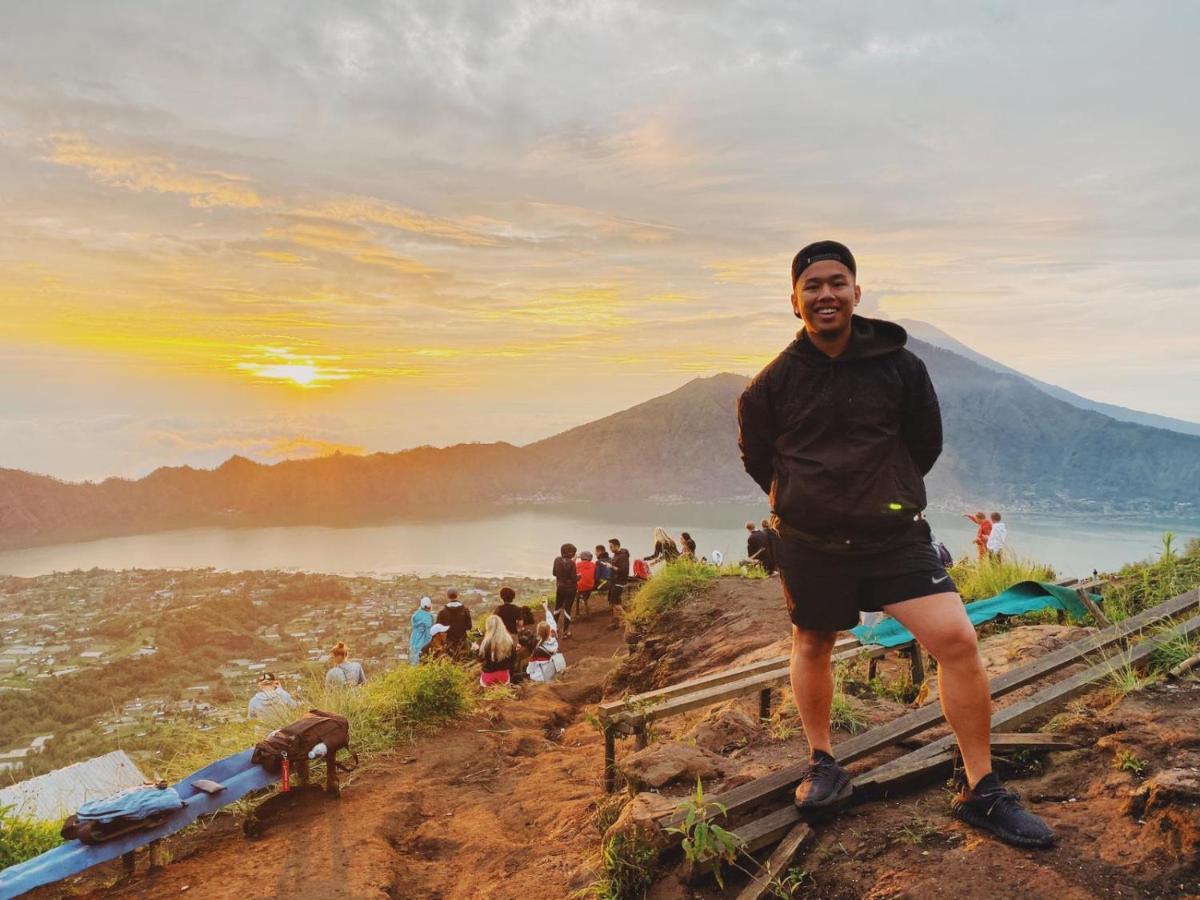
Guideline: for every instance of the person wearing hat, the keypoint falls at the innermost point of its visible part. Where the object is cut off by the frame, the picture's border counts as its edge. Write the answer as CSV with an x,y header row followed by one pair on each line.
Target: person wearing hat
x,y
840,430
455,615
271,696
422,624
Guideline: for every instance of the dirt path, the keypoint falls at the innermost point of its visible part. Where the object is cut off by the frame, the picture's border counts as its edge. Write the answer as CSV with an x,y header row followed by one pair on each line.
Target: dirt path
x,y
500,803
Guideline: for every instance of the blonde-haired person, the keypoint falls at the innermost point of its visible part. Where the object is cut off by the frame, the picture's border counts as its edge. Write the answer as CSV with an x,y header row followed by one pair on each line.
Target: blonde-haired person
x,y
497,653
665,547
344,672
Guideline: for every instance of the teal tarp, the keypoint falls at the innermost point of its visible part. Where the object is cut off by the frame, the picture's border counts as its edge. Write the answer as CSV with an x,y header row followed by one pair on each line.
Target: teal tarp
x,y
1022,597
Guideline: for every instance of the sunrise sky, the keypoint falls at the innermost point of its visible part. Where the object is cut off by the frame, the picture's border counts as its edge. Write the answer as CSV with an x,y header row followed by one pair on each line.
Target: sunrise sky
x,y
279,229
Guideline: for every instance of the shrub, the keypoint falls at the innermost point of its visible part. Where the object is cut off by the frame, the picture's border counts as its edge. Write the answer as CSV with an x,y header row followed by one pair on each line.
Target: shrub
x,y
978,579
22,838
667,588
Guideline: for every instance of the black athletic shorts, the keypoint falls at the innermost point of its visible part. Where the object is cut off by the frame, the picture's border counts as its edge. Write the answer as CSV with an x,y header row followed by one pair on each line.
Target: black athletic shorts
x,y
614,594
827,591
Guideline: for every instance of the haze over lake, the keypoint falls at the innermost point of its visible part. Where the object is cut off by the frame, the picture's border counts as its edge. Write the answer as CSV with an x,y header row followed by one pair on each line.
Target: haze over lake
x,y
524,540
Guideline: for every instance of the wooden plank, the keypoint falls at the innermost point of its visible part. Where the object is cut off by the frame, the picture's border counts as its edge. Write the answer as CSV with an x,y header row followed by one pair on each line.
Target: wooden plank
x,y
785,779
1090,604
800,835
704,681
1031,740
673,706
1038,704
1186,666
761,832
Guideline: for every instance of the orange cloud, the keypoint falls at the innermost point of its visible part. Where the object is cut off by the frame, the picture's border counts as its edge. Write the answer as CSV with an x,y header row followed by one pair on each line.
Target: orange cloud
x,y
152,173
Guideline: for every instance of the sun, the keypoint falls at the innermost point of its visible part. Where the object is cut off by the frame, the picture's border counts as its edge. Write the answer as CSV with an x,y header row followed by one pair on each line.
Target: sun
x,y
304,372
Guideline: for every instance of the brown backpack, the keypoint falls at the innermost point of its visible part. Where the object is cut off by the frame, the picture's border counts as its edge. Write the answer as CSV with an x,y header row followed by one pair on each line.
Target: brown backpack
x,y
296,740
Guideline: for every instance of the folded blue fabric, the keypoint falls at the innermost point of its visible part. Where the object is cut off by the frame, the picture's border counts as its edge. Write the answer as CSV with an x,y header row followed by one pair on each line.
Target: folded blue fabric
x,y
1022,597
134,804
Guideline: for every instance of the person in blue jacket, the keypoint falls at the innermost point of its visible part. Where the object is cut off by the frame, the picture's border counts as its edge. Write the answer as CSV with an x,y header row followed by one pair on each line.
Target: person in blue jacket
x,y
422,622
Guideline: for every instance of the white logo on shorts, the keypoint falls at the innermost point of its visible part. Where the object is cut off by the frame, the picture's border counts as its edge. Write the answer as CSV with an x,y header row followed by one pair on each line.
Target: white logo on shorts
x,y
939,580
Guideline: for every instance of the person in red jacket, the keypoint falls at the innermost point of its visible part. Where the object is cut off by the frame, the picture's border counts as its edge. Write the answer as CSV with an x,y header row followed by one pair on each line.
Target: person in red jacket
x,y
984,532
585,570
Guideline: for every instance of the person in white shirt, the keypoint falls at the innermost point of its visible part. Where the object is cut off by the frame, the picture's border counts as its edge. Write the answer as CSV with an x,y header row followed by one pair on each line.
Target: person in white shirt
x,y
344,672
995,541
270,696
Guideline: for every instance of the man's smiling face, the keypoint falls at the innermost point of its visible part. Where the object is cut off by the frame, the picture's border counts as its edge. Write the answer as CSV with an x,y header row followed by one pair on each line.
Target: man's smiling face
x,y
824,296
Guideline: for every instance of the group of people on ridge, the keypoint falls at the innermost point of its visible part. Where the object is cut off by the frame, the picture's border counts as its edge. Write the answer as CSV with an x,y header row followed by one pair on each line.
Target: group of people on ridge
x,y
989,539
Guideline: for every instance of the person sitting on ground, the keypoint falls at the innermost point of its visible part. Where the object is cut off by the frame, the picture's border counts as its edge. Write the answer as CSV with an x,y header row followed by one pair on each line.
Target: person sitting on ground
x,y
271,696
585,572
458,618
566,584
437,642
541,665
981,535
618,579
344,672
513,616
664,547
497,653
422,622
996,537
687,547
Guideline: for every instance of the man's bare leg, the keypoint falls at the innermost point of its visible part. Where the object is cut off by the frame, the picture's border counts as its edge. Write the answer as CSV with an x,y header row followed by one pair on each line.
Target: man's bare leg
x,y
812,684
939,622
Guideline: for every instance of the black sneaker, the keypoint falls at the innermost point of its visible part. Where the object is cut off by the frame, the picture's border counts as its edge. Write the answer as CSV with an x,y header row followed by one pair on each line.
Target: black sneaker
x,y
824,785
990,807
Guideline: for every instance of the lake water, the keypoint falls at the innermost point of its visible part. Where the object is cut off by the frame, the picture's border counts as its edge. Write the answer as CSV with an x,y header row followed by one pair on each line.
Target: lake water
x,y
524,540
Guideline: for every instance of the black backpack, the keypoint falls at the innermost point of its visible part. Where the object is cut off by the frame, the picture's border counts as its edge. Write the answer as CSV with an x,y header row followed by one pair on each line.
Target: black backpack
x,y
296,740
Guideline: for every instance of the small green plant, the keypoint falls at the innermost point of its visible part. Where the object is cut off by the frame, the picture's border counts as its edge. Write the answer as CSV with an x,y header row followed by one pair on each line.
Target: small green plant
x,y
22,838
608,810
788,885
705,844
918,832
628,869
1122,677
1173,647
1126,761
846,712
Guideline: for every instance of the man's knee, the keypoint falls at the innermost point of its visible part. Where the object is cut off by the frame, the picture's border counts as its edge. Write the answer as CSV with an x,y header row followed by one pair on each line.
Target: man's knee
x,y
955,645
812,645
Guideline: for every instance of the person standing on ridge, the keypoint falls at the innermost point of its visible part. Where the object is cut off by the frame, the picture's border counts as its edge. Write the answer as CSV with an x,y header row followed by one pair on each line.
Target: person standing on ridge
x,y
840,430
996,537
566,586
618,579
981,535
457,618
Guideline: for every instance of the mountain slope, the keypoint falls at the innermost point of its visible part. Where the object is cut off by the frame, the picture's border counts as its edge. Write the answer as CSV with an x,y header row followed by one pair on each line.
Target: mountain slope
x,y
931,334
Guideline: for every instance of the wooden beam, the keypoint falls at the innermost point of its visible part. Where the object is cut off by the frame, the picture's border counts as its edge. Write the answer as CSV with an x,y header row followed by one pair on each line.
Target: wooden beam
x,y
800,835
1187,665
1031,740
1090,604
724,676
785,779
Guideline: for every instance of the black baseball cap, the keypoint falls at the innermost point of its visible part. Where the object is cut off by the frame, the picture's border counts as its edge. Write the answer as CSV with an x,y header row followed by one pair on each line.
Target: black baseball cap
x,y
821,250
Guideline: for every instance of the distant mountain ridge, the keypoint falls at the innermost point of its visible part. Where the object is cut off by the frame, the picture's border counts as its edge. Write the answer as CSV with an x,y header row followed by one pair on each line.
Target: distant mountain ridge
x,y
931,334
1009,444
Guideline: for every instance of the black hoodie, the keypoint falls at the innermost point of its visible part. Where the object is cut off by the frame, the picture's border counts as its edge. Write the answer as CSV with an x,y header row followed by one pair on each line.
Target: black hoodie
x,y
842,444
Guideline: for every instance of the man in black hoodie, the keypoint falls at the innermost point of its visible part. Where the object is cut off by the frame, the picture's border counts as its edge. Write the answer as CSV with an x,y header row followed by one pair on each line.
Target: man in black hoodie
x,y
840,430
617,580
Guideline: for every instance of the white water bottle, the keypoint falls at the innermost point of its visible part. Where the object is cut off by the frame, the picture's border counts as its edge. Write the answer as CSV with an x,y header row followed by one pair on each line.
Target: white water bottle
x,y
318,751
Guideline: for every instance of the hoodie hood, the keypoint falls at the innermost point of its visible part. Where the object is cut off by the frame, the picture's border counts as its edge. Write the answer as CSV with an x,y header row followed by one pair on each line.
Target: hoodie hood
x,y
868,338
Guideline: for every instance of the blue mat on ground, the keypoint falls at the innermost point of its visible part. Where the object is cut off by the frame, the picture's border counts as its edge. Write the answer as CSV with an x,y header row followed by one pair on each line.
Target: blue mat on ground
x,y
236,772
1022,597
